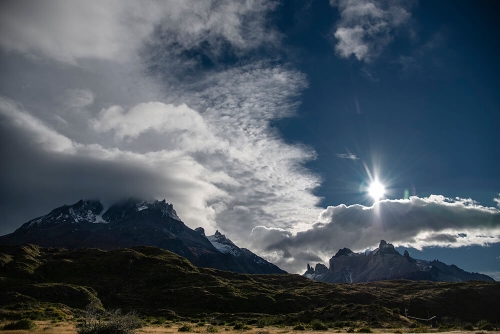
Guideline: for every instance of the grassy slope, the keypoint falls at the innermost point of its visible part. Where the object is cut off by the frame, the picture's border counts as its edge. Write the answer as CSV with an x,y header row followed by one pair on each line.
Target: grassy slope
x,y
152,281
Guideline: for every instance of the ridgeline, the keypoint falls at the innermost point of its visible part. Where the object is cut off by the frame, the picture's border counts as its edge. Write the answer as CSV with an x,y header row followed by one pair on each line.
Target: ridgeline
x,y
157,282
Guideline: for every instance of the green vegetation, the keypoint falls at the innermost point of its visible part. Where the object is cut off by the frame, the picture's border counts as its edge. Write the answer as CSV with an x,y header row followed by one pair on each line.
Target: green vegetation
x,y
485,325
21,324
318,325
299,327
468,327
364,330
97,322
212,329
241,326
185,328
56,284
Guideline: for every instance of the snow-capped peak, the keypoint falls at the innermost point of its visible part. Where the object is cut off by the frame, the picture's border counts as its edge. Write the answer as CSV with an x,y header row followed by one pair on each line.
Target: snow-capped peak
x,y
80,212
223,244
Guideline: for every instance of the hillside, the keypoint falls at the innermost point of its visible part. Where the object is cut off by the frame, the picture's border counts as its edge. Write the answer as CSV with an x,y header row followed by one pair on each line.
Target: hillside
x,y
158,282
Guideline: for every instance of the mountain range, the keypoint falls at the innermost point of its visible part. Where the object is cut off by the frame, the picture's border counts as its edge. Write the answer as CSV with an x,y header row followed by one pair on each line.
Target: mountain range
x,y
134,222
386,263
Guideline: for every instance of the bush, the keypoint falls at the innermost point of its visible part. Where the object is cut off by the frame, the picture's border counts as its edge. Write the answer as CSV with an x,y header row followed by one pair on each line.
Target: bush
x,y
299,327
212,329
241,326
97,322
185,328
159,321
487,327
21,324
468,327
318,325
364,330
350,330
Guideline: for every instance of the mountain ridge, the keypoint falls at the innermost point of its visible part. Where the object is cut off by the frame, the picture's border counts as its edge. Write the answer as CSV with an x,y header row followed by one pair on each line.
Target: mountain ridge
x,y
129,223
386,263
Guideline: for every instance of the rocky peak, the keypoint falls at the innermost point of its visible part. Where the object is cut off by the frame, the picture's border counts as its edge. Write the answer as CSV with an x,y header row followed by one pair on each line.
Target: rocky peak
x,y
343,252
320,269
408,257
83,211
200,230
133,207
386,248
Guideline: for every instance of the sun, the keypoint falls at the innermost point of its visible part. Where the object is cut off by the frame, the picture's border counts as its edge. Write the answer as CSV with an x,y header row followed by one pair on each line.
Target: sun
x,y
376,190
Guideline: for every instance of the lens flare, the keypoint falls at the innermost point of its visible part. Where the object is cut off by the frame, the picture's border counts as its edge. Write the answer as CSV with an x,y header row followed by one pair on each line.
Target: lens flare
x,y
376,190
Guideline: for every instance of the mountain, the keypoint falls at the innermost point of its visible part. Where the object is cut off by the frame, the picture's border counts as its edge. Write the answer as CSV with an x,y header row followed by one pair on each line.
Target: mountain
x,y
132,223
255,264
385,263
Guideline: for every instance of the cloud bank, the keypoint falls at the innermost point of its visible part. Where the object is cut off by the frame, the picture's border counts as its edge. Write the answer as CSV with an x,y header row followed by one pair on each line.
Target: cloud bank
x,y
130,110
416,222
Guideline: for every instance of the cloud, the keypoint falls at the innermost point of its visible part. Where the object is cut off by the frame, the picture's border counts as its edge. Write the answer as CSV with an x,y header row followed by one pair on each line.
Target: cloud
x,y
497,200
416,222
153,122
493,274
183,125
116,29
366,27
347,156
15,116
77,98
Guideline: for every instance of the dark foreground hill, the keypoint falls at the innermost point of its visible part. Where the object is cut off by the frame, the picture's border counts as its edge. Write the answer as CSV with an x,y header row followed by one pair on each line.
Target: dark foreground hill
x,y
157,282
386,263
132,223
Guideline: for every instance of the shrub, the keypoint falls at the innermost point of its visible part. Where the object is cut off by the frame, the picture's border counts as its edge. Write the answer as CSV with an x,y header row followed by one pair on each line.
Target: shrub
x,y
318,325
241,326
95,322
299,327
159,321
350,330
212,329
487,327
364,330
468,327
238,325
21,324
185,328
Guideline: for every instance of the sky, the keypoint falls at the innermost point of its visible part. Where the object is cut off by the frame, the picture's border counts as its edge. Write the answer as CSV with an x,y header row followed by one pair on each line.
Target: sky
x,y
265,120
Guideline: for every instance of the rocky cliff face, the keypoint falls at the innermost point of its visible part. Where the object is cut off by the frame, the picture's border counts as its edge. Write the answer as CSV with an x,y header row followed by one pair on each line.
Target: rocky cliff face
x,y
133,223
385,263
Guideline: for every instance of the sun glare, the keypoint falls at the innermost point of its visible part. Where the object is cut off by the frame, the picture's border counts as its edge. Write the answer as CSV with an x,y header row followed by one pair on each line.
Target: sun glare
x,y
376,190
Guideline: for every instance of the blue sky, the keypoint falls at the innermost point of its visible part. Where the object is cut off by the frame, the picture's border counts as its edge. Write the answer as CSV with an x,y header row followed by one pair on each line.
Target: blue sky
x,y
262,119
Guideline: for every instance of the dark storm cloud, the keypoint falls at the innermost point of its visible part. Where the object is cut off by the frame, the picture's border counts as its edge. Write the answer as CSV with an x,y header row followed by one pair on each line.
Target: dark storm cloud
x,y
35,181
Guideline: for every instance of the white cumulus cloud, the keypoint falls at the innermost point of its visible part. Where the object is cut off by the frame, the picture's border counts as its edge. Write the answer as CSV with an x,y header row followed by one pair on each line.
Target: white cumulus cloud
x,y
366,27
